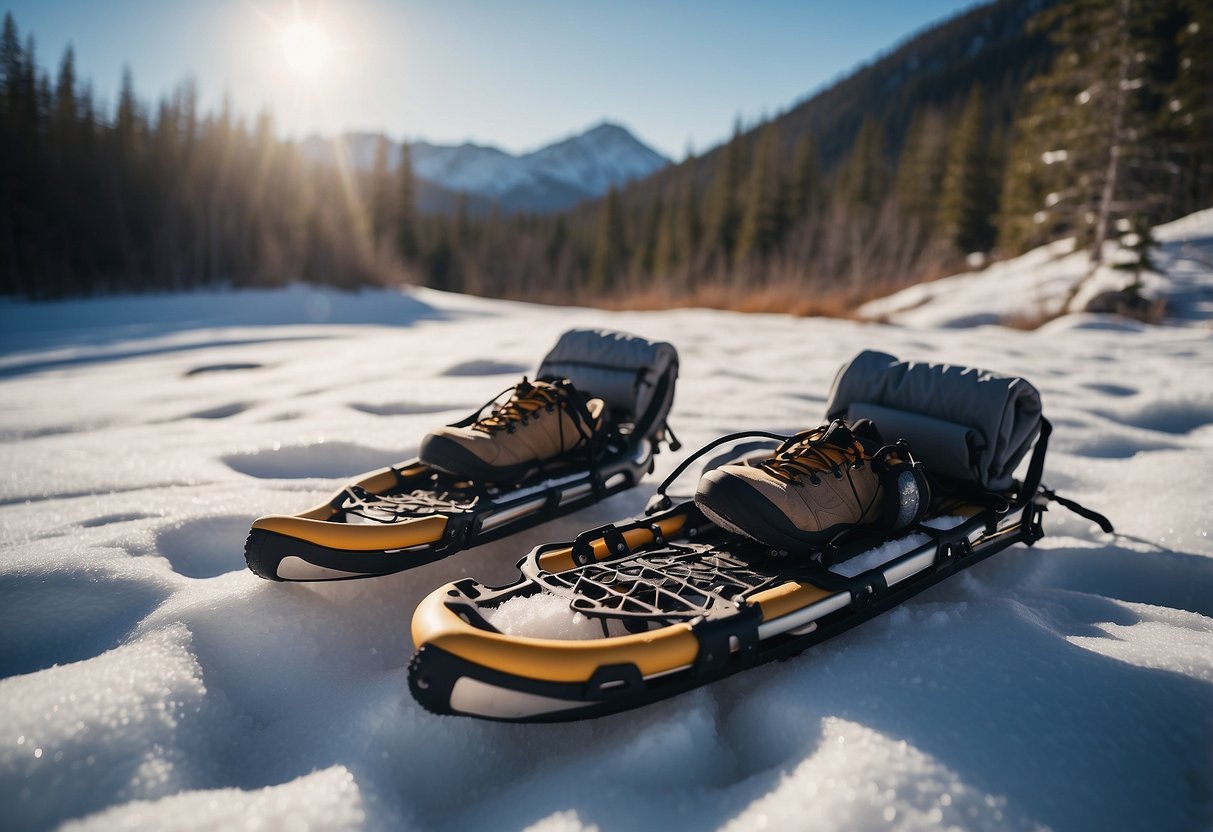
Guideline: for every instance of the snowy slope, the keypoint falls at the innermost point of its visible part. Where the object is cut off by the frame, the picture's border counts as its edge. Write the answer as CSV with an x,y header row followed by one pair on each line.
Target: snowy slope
x,y
1039,284
147,680
470,167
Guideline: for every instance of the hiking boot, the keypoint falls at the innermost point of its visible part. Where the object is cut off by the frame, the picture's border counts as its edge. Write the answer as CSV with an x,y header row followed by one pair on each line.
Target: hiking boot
x,y
540,421
817,484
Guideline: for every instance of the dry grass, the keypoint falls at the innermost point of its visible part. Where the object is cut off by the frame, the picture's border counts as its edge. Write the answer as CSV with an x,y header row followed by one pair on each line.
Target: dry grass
x,y
1028,321
788,299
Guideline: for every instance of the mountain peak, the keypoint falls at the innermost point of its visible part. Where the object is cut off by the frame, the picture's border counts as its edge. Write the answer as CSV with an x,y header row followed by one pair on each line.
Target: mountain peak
x,y
552,178
606,155
607,127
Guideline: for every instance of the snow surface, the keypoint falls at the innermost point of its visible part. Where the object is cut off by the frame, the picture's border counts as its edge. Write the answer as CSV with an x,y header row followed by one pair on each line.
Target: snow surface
x,y
1039,285
148,680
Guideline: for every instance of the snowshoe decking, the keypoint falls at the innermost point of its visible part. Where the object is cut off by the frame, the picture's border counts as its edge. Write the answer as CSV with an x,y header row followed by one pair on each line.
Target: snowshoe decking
x,y
411,514
681,602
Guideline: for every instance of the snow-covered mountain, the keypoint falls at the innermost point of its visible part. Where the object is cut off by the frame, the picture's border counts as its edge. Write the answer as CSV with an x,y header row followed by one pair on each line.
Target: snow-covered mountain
x,y
598,158
549,179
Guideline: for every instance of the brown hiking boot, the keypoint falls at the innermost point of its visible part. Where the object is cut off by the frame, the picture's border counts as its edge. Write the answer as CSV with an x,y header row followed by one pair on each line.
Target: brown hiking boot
x,y
817,484
540,421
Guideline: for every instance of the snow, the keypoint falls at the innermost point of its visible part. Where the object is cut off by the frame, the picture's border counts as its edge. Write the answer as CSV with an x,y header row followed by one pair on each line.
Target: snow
x,y
603,156
148,680
588,164
1040,284
469,167
585,165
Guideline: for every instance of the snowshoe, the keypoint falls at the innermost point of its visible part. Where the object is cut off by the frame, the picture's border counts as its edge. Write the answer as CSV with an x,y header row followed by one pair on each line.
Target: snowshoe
x,y
595,413
653,607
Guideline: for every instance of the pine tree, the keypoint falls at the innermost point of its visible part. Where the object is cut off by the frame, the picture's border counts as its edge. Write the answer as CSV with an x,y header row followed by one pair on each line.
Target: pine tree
x,y
724,210
920,168
806,187
652,221
29,85
679,231
864,179
65,98
1191,103
381,192
965,202
12,65
406,205
609,246
557,241
1083,147
126,120
763,213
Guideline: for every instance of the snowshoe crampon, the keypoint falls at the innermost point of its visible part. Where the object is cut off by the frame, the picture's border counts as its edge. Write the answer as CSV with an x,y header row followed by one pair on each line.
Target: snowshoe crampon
x,y
411,514
657,606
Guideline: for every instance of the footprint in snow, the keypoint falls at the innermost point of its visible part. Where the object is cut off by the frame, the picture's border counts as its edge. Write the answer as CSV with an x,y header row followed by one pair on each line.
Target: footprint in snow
x,y
401,408
59,618
110,519
1111,389
223,368
221,412
1117,447
1174,417
485,367
205,547
325,460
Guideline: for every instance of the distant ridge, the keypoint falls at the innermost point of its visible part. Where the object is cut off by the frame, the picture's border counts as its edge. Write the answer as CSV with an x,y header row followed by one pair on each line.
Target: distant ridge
x,y
552,178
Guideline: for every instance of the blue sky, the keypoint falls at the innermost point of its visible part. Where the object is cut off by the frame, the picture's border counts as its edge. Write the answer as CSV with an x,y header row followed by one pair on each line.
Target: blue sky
x,y
513,73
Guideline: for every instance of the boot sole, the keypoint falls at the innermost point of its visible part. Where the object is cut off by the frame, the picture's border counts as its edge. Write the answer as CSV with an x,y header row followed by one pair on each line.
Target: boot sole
x,y
732,503
452,458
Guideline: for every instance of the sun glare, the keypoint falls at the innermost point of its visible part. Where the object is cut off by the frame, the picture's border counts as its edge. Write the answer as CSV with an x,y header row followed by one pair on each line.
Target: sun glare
x,y
306,48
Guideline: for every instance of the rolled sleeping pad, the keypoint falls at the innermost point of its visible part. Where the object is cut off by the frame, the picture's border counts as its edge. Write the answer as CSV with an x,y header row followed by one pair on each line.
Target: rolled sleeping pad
x,y
963,423
633,375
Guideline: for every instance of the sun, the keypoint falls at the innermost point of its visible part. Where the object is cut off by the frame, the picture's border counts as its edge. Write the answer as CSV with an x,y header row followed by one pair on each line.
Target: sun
x,y
306,48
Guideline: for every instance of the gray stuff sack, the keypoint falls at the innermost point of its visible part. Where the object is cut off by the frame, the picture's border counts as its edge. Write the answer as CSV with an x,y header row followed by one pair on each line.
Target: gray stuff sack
x,y
962,423
633,375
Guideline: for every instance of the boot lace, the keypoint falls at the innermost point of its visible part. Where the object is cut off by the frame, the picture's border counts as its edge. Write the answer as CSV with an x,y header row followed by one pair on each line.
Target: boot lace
x,y
526,402
529,401
807,455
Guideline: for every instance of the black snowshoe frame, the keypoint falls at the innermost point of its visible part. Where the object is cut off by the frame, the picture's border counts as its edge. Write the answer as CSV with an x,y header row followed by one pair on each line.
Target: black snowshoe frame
x,y
690,603
411,514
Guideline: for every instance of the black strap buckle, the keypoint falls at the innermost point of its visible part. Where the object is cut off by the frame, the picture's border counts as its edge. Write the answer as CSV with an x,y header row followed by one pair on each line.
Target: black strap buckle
x,y
611,536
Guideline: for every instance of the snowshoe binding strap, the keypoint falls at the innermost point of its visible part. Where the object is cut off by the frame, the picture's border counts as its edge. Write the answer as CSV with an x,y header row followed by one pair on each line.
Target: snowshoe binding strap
x,y
1095,517
661,501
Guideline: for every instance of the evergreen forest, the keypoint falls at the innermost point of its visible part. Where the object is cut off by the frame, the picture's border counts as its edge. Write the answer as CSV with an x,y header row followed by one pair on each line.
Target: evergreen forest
x,y
1010,125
